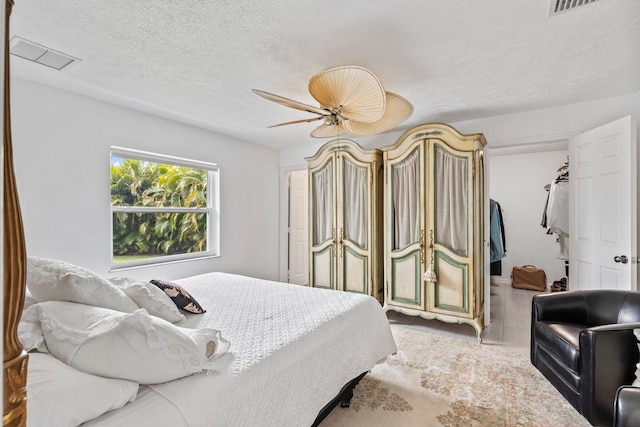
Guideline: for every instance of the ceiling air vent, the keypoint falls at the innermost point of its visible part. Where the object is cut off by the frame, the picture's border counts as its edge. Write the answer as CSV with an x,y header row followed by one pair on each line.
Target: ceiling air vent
x,y
558,6
37,53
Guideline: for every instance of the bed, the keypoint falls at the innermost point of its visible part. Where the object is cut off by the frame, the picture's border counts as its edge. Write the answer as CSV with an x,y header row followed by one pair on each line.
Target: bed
x,y
260,352
220,349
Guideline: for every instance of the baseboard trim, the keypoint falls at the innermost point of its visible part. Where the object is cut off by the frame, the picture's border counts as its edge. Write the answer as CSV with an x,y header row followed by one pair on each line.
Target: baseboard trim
x,y
495,280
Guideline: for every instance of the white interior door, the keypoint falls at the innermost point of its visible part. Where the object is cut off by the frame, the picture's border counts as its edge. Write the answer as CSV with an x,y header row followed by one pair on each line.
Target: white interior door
x,y
298,228
603,207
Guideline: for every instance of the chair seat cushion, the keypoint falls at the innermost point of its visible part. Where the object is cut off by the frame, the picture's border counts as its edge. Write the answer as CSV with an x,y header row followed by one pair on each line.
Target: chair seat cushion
x,y
562,340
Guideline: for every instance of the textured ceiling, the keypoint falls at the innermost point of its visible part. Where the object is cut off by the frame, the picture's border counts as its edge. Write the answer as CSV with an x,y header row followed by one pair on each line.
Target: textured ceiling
x,y
197,60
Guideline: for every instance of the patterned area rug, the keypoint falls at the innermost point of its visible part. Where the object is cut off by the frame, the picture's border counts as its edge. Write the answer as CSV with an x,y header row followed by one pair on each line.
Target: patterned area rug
x,y
439,381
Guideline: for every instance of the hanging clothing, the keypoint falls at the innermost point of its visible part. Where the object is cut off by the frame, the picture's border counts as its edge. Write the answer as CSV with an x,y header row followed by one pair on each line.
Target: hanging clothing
x,y
496,232
556,211
558,208
497,243
543,223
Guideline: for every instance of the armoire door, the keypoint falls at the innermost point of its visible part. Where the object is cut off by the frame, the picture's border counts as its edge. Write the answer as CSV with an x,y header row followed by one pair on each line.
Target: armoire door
x,y
344,218
354,197
451,194
322,216
405,236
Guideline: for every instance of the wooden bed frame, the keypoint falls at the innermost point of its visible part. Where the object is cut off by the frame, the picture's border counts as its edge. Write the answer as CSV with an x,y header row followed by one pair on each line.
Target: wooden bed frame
x,y
14,371
14,274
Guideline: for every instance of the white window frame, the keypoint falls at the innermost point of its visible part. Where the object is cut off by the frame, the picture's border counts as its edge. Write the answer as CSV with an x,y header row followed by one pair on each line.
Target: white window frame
x,y
212,210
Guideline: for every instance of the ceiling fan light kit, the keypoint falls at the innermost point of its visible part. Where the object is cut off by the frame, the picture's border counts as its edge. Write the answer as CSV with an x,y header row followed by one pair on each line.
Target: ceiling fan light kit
x,y
352,101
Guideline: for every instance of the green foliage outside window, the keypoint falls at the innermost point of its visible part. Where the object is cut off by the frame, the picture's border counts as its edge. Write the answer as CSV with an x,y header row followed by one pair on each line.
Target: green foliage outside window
x,y
142,184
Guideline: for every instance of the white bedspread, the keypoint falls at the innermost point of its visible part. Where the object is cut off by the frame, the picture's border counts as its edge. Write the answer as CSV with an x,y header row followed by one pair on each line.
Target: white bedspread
x,y
292,350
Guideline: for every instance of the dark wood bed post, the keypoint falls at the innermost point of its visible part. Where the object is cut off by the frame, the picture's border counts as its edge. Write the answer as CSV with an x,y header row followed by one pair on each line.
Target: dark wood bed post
x,y
14,269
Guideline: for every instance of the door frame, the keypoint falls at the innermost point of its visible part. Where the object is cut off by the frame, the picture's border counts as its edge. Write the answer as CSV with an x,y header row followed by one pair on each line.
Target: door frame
x,y
284,219
298,227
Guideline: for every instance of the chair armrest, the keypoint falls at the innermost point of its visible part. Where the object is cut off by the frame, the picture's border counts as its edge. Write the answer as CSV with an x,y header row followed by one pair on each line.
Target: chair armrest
x,y
563,307
627,407
616,327
608,357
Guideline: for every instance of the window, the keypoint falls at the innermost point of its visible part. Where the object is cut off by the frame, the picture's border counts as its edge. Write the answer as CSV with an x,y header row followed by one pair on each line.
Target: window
x,y
163,208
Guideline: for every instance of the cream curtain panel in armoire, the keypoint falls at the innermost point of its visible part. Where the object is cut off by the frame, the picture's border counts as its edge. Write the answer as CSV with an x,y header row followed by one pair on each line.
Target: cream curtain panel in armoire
x,y
406,201
451,201
323,204
355,203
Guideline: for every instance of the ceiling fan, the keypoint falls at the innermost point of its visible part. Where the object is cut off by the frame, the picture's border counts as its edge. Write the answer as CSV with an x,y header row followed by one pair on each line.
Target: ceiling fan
x,y
352,101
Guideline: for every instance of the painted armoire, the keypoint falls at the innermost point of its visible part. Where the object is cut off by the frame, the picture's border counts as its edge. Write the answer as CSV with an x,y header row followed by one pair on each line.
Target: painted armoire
x,y
434,226
345,218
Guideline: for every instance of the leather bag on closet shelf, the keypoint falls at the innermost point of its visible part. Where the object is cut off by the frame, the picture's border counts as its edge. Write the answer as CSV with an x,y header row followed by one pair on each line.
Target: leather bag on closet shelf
x,y
529,277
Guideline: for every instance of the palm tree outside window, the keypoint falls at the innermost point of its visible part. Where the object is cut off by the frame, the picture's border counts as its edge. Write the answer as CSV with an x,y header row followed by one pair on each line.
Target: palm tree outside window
x,y
163,208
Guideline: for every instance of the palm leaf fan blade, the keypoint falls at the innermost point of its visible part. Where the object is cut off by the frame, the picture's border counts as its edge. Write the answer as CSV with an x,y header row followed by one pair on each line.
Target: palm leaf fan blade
x,y
325,131
291,103
397,111
356,91
297,121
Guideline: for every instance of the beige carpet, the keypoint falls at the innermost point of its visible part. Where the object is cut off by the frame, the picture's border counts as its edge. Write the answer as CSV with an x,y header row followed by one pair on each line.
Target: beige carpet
x,y
440,381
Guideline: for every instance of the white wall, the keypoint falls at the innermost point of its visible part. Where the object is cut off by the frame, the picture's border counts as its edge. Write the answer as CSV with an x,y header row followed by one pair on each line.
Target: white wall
x,y
535,141
531,127
61,143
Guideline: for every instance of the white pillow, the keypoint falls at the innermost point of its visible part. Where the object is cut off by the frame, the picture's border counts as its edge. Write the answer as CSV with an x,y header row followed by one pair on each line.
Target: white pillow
x,y
30,331
54,280
132,346
149,297
58,395
29,300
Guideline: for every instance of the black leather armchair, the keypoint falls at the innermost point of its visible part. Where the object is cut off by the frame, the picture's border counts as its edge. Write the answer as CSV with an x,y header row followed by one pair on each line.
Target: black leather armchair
x,y
583,343
627,407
